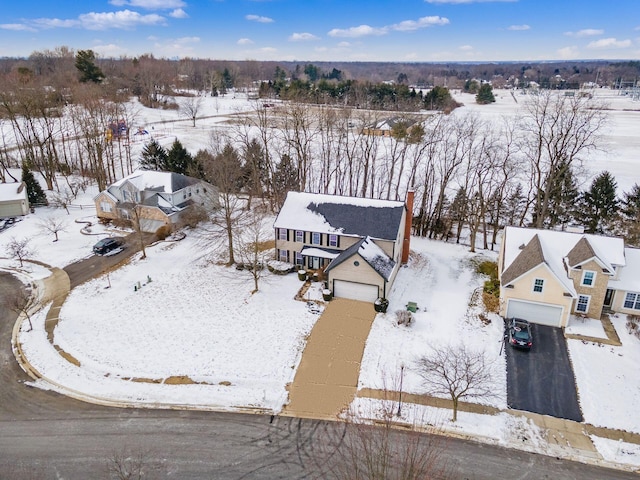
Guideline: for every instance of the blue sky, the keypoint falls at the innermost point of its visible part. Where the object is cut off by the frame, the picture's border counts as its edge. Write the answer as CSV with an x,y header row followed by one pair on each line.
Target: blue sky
x,y
328,30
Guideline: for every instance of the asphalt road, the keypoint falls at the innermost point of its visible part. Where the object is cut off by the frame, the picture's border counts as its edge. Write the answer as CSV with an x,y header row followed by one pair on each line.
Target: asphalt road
x,y
44,435
542,380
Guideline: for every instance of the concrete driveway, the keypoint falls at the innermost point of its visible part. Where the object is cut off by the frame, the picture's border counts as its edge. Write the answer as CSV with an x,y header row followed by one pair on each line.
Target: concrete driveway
x,y
542,380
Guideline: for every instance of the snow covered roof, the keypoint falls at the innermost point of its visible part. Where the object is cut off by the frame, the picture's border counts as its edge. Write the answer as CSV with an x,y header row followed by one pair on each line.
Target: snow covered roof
x,y
12,191
370,253
168,182
629,277
319,252
526,248
351,216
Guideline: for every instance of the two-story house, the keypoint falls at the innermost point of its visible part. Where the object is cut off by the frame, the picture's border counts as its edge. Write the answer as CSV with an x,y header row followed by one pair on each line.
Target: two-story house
x,y
546,275
357,242
159,198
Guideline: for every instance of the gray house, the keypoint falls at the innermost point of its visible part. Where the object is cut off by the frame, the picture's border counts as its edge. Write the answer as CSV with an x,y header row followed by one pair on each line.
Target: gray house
x,y
358,243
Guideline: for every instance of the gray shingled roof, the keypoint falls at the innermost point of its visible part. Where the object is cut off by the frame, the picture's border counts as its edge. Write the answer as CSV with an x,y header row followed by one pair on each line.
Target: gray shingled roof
x,y
530,257
370,253
363,221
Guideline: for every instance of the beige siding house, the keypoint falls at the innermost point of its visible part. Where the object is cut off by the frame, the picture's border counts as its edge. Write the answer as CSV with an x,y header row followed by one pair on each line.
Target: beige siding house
x,y
547,276
160,198
13,200
357,243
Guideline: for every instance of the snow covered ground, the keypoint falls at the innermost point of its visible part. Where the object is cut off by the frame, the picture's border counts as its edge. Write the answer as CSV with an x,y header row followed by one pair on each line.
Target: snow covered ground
x,y
197,321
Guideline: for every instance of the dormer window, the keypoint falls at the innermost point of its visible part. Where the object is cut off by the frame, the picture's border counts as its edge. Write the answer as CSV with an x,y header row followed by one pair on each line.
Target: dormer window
x,y
588,278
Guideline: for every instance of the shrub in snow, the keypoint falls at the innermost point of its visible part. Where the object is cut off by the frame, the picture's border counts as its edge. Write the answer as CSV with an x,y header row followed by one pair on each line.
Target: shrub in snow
x,y
633,325
280,268
404,317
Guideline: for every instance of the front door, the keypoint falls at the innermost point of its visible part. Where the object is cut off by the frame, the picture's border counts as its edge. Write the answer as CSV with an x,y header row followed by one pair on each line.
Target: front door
x,y
608,298
315,263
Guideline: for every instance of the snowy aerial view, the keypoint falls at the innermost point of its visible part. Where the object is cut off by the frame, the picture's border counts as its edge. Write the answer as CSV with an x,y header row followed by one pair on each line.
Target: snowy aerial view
x,y
178,327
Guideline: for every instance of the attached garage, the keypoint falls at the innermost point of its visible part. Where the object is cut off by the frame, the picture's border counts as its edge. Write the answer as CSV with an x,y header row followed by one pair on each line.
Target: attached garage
x,y
535,312
355,291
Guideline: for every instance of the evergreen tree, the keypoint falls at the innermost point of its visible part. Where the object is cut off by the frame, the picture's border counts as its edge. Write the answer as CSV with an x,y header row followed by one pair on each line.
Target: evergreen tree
x,y
599,205
485,94
471,86
630,216
35,194
439,98
285,179
86,65
179,160
514,207
563,197
154,157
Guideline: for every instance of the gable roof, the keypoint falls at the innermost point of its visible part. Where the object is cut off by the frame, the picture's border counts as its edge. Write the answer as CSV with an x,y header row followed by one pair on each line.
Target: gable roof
x,y
10,192
350,216
629,277
552,248
370,253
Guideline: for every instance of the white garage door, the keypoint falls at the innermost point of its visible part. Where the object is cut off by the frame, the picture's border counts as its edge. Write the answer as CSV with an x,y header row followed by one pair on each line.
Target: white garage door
x,y
355,291
535,312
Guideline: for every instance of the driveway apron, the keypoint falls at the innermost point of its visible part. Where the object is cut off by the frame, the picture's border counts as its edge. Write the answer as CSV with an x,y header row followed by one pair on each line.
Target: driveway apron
x,y
327,377
542,380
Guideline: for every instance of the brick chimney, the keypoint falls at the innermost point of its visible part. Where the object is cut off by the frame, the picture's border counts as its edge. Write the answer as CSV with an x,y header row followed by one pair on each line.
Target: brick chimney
x,y
407,227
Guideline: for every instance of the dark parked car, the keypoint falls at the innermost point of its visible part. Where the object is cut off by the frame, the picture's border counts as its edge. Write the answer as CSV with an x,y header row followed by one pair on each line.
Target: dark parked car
x,y
519,333
107,245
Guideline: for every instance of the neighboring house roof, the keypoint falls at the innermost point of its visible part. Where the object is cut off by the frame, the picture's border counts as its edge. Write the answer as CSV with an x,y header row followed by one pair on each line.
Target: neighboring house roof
x,y
370,253
389,123
167,182
525,248
350,216
10,192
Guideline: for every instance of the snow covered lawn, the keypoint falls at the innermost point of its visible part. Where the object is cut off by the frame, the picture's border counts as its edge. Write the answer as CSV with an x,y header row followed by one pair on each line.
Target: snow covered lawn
x,y
194,320
607,379
441,279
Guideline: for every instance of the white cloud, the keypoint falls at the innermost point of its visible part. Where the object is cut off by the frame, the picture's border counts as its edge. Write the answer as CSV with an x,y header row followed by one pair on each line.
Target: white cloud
x,y
460,2
585,32
519,28
466,48
259,19
56,23
151,4
124,19
344,44
245,41
609,43
179,13
423,22
302,37
17,27
109,51
355,32
568,53
268,50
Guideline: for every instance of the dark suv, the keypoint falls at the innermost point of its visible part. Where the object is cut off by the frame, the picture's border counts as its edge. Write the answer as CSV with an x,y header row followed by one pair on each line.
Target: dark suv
x,y
519,333
107,245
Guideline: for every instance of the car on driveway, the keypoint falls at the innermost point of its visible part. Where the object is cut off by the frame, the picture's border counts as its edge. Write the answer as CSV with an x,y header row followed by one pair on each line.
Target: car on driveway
x,y
519,333
109,245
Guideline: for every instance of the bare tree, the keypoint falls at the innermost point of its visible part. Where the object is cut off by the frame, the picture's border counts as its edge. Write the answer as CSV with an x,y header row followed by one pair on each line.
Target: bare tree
x,y
62,199
558,131
458,372
254,245
189,108
20,249
23,303
53,225
360,451
132,464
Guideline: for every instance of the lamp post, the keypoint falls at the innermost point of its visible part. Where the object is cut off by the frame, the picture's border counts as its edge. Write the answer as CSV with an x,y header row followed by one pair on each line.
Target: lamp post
x,y
400,396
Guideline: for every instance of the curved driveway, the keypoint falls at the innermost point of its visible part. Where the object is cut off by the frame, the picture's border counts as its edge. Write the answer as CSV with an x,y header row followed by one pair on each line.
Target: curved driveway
x,y
44,435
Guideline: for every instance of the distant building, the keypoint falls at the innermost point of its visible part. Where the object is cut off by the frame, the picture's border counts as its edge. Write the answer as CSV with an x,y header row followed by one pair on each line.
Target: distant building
x,y
14,201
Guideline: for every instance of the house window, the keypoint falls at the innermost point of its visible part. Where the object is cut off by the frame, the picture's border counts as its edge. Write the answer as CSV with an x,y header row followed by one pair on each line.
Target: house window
x,y
282,234
632,300
333,240
538,283
588,277
299,236
315,238
105,206
299,259
583,303
284,256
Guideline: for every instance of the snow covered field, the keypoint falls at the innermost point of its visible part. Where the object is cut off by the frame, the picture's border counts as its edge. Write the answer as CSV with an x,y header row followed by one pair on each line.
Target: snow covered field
x,y
198,321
